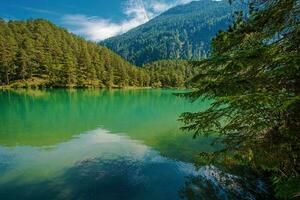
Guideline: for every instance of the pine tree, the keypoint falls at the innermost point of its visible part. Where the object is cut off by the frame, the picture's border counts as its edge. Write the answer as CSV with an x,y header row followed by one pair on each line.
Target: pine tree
x,y
253,78
68,69
25,59
98,64
91,70
7,56
110,77
84,63
22,64
124,78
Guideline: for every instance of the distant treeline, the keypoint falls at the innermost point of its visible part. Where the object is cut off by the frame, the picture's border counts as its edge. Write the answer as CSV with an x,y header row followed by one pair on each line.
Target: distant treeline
x,y
170,73
36,53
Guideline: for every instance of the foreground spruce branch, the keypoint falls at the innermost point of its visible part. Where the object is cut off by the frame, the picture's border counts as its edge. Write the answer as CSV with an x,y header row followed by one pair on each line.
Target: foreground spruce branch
x,y
253,77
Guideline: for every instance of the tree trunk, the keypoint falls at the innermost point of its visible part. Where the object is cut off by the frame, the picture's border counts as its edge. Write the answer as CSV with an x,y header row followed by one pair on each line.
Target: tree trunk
x,y
7,78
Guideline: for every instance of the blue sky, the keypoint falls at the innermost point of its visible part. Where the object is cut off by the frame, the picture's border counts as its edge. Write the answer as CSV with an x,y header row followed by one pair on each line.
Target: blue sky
x,y
93,19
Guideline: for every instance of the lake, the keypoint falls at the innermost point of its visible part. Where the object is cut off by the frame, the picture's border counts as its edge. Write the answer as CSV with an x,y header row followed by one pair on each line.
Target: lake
x,y
106,144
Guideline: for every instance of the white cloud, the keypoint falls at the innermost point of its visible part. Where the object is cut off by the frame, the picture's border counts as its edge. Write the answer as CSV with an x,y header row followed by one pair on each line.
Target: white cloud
x,y
97,29
184,1
92,27
137,11
159,7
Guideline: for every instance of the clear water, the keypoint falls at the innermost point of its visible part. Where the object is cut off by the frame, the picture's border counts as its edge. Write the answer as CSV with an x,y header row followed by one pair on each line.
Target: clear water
x,y
99,144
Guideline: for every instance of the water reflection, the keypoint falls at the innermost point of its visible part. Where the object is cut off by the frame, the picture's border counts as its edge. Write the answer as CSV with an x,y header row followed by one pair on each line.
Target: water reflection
x,y
50,117
101,165
136,150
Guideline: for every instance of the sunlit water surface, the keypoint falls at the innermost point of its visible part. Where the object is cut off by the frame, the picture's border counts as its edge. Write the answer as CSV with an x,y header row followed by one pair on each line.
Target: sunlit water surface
x,y
98,144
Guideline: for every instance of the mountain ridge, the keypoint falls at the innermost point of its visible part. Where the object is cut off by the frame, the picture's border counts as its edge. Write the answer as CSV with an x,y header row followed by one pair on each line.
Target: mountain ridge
x,y
182,32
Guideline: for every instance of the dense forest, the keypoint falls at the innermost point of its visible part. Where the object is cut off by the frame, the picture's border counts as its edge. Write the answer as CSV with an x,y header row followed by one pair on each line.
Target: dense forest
x,y
37,53
183,32
170,73
253,76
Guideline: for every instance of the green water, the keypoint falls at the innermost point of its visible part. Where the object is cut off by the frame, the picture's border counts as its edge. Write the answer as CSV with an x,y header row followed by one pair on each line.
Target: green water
x,y
99,144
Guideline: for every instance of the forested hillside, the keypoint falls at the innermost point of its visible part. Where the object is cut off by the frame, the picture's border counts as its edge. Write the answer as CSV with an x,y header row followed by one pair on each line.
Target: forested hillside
x,y
37,53
183,32
170,73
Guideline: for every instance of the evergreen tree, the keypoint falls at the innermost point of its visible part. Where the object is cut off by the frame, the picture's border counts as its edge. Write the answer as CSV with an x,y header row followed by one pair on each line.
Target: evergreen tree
x,y
253,77
68,69
25,58
110,78
123,78
22,64
7,56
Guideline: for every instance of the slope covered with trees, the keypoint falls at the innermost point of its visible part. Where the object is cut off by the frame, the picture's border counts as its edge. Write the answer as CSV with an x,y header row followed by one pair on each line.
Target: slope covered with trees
x,y
36,52
183,32
253,75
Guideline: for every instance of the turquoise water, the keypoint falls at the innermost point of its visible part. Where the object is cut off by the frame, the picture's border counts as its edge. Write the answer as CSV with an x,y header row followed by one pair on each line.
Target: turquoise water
x,y
100,144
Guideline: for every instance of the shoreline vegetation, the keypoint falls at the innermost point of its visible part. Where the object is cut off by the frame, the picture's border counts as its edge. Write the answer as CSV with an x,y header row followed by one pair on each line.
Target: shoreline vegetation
x,y
36,84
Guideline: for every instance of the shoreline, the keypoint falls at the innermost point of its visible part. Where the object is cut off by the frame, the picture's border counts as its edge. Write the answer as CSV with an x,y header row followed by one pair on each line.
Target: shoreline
x,y
90,88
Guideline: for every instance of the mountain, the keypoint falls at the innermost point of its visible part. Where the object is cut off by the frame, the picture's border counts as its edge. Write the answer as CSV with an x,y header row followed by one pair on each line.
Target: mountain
x,y
36,53
182,32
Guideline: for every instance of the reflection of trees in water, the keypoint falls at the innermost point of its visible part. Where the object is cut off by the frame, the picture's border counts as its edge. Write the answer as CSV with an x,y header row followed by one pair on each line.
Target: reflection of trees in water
x,y
214,184
50,117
